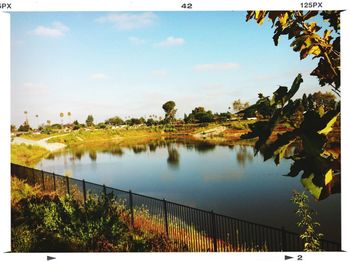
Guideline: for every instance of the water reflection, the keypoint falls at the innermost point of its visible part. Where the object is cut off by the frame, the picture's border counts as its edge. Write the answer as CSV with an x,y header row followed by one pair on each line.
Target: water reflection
x,y
244,156
227,179
244,153
173,159
93,155
139,149
116,151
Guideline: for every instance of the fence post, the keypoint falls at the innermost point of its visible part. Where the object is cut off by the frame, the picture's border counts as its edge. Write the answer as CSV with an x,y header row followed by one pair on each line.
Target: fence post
x,y
67,184
213,224
43,179
33,174
104,190
105,194
131,208
166,218
54,181
84,192
284,241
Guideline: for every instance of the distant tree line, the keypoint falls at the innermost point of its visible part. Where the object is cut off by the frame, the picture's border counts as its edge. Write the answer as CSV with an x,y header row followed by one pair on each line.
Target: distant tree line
x,y
320,101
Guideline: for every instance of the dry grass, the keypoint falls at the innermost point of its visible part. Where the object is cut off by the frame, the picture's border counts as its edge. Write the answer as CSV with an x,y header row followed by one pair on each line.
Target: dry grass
x,y
32,136
27,155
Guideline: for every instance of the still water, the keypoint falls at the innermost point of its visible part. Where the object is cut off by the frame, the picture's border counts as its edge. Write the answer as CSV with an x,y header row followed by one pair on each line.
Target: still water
x,y
226,179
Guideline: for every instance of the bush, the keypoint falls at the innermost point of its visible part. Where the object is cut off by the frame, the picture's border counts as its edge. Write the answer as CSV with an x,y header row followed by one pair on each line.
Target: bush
x,y
101,125
56,126
22,239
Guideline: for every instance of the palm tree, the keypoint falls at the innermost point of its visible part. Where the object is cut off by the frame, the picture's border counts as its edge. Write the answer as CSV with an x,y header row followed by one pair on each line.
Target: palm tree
x,y
26,114
37,120
69,114
61,115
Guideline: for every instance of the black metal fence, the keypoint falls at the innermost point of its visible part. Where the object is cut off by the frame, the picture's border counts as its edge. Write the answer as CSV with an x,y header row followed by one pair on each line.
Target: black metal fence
x,y
200,230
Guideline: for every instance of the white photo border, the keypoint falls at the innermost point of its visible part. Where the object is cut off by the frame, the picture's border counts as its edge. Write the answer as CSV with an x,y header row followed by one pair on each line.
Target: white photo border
x,y
163,5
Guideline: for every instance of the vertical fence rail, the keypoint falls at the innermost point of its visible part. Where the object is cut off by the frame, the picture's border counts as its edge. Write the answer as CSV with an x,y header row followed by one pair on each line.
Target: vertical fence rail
x,y
43,179
131,205
67,185
84,192
213,226
54,181
198,229
165,218
284,239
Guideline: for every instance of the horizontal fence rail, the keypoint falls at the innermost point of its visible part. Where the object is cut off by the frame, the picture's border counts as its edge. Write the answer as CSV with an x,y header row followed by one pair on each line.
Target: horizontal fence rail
x,y
199,230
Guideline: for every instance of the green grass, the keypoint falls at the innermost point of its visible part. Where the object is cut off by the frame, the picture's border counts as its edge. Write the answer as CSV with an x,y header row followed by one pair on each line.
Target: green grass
x,y
239,125
27,155
103,135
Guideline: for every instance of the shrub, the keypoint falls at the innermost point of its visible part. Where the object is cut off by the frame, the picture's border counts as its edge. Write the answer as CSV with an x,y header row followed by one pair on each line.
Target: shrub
x,y
307,222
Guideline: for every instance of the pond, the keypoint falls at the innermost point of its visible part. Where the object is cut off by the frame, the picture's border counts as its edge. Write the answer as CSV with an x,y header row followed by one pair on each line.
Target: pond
x,y
229,180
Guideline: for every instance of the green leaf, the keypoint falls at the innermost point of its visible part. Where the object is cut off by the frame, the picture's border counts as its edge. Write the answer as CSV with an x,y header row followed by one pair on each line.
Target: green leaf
x,y
279,146
261,129
313,143
295,86
278,95
328,119
311,187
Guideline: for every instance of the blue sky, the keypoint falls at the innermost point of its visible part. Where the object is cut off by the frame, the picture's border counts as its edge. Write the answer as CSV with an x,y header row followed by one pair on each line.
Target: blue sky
x,y
130,63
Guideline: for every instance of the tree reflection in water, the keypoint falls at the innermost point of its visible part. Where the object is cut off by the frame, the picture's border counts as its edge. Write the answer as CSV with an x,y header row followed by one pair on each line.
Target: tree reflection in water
x,y
170,144
93,155
244,156
173,159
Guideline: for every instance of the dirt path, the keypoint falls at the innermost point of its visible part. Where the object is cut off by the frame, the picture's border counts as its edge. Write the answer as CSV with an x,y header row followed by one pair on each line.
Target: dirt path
x,y
42,143
210,133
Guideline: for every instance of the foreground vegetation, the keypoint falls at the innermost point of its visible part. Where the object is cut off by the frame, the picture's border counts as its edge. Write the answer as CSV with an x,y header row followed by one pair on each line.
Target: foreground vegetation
x,y
47,222
27,155
318,156
58,222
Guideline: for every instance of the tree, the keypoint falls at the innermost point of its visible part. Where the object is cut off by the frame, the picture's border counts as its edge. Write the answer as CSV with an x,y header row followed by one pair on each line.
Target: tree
x,y
26,115
307,39
222,117
114,121
89,120
150,122
13,128
199,115
170,111
48,122
237,105
62,115
24,127
76,125
317,157
261,109
325,100
69,114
